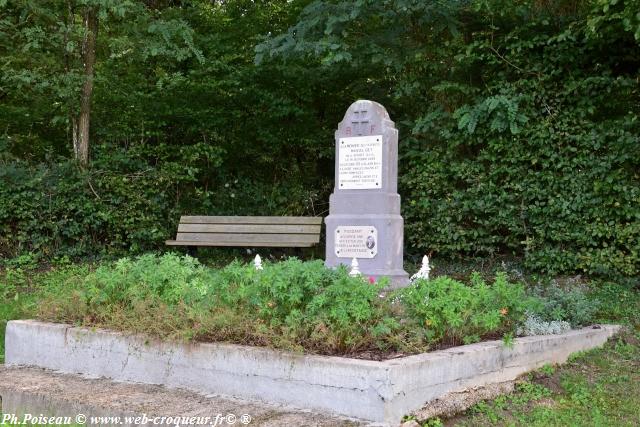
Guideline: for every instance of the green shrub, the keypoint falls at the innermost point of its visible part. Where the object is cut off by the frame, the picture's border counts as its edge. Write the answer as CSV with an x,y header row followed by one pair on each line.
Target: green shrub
x,y
57,209
290,304
570,304
524,158
128,202
445,309
300,305
305,303
617,302
533,325
518,123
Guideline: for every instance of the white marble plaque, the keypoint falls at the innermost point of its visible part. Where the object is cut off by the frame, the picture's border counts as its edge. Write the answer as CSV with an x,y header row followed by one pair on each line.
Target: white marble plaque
x,y
360,162
356,241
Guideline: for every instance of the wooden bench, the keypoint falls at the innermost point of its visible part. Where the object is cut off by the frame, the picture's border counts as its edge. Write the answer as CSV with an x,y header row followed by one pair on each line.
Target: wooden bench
x,y
248,231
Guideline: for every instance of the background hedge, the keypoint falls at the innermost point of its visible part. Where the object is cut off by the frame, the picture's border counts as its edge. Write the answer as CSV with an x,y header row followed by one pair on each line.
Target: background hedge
x,y
519,128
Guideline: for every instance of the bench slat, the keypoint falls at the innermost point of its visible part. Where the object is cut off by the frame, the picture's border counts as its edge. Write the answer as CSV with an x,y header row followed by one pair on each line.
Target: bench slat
x,y
249,228
247,238
275,220
248,231
241,244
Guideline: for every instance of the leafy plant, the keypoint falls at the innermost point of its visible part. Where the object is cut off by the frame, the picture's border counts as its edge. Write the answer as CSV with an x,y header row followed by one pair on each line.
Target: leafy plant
x,y
569,304
446,309
533,325
509,142
617,303
289,304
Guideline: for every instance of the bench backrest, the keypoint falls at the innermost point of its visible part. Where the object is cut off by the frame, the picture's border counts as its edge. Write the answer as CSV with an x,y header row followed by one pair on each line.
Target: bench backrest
x,y
249,231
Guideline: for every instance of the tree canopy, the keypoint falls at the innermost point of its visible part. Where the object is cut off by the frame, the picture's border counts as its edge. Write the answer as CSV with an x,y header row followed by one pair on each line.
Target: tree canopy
x,y
519,129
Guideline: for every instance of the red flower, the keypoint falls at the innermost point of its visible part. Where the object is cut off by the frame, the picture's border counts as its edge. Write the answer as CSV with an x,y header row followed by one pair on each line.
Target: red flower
x,y
372,280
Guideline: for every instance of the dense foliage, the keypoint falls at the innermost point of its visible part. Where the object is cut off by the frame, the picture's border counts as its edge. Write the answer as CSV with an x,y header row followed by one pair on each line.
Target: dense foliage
x,y
323,311
289,304
445,308
519,130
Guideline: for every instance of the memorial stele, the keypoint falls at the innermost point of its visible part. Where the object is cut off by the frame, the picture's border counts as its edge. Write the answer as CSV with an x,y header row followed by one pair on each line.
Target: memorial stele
x,y
364,219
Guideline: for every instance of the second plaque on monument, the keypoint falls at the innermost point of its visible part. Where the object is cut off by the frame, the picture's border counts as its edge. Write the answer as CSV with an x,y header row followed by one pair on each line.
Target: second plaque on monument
x,y
356,241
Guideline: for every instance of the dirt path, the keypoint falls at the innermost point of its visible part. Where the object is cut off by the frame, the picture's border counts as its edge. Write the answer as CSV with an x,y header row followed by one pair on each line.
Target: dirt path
x,y
34,390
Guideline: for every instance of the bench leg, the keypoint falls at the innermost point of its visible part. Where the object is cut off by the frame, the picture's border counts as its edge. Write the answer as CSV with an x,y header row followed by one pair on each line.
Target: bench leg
x,y
192,251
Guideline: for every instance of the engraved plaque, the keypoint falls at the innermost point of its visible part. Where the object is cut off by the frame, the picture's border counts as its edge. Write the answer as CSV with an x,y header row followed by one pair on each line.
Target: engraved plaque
x,y
360,162
356,241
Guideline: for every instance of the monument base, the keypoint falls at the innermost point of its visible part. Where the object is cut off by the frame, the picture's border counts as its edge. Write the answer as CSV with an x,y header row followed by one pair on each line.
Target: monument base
x,y
398,278
384,259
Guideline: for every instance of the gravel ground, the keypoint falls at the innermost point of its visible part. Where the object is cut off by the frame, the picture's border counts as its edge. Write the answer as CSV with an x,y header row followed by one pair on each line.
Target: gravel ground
x,y
35,391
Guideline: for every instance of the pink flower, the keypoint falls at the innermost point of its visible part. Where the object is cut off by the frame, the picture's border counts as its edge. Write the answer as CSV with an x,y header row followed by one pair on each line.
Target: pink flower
x,y
372,280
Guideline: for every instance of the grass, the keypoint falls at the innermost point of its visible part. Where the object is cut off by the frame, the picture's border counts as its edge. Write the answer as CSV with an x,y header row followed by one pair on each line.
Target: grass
x,y
597,388
6,314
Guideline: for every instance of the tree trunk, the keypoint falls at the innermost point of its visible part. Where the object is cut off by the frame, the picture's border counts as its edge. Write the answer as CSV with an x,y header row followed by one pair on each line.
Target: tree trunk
x,y
73,118
81,139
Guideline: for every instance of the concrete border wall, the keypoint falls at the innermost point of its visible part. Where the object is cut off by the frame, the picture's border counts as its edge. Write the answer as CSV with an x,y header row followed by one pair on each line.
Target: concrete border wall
x,y
375,391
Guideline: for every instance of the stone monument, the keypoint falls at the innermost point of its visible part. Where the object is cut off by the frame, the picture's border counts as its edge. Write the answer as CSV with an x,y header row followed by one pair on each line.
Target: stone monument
x,y
364,219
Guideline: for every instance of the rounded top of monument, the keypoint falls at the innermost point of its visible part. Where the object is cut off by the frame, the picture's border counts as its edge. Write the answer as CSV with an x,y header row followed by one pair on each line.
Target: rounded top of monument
x,y
365,117
366,107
